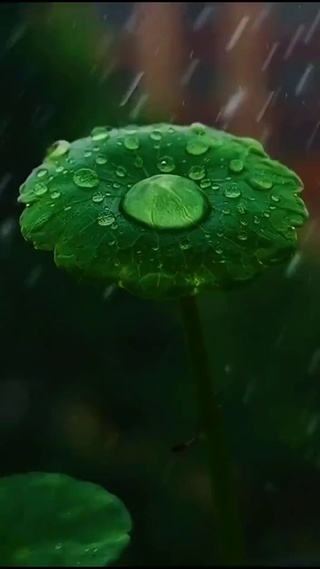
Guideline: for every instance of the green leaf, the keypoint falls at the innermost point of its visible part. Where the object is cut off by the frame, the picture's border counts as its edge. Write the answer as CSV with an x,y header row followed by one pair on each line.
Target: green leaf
x,y
163,210
54,520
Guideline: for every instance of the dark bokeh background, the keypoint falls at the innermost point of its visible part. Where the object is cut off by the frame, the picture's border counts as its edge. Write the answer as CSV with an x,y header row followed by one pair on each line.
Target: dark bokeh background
x,y
94,382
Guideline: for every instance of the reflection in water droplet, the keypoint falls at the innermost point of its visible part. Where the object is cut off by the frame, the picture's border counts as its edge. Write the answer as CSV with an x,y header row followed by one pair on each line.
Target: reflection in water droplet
x,y
197,172
131,143
236,165
40,188
106,218
166,164
86,178
232,191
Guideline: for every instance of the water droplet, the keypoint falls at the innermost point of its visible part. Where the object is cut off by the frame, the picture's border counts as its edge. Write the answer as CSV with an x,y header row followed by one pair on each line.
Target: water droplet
x,y
236,165
232,191
101,160
106,218
266,214
275,198
219,250
58,546
226,211
138,162
42,172
116,185
261,183
55,195
67,208
58,149
256,220
100,133
156,134
121,172
198,128
197,172
215,187
40,188
86,178
87,154
205,183
197,146
184,245
59,169
241,208
166,164
165,201
242,237
98,197
131,143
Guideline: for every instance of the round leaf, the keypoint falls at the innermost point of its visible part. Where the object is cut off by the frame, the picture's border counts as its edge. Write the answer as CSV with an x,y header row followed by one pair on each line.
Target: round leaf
x,y
54,520
163,210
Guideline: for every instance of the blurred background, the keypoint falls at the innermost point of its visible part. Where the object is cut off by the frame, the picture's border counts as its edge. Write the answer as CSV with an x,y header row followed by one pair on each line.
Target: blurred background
x,y
94,382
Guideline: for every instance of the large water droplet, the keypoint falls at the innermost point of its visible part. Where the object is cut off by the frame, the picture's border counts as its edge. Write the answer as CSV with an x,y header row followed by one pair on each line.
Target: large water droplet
x,y
197,146
40,188
100,133
131,142
165,202
106,218
232,191
166,164
198,128
236,166
197,172
86,178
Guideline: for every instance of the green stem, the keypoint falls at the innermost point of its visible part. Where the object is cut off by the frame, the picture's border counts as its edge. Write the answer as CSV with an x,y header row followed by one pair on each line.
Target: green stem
x,y
229,531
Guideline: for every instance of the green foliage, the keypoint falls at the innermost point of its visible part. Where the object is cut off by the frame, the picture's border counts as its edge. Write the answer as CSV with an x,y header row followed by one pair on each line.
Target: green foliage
x,y
54,520
162,210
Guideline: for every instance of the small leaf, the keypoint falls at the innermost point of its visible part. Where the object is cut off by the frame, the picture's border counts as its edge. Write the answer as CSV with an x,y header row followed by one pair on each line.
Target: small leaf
x,y
52,520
